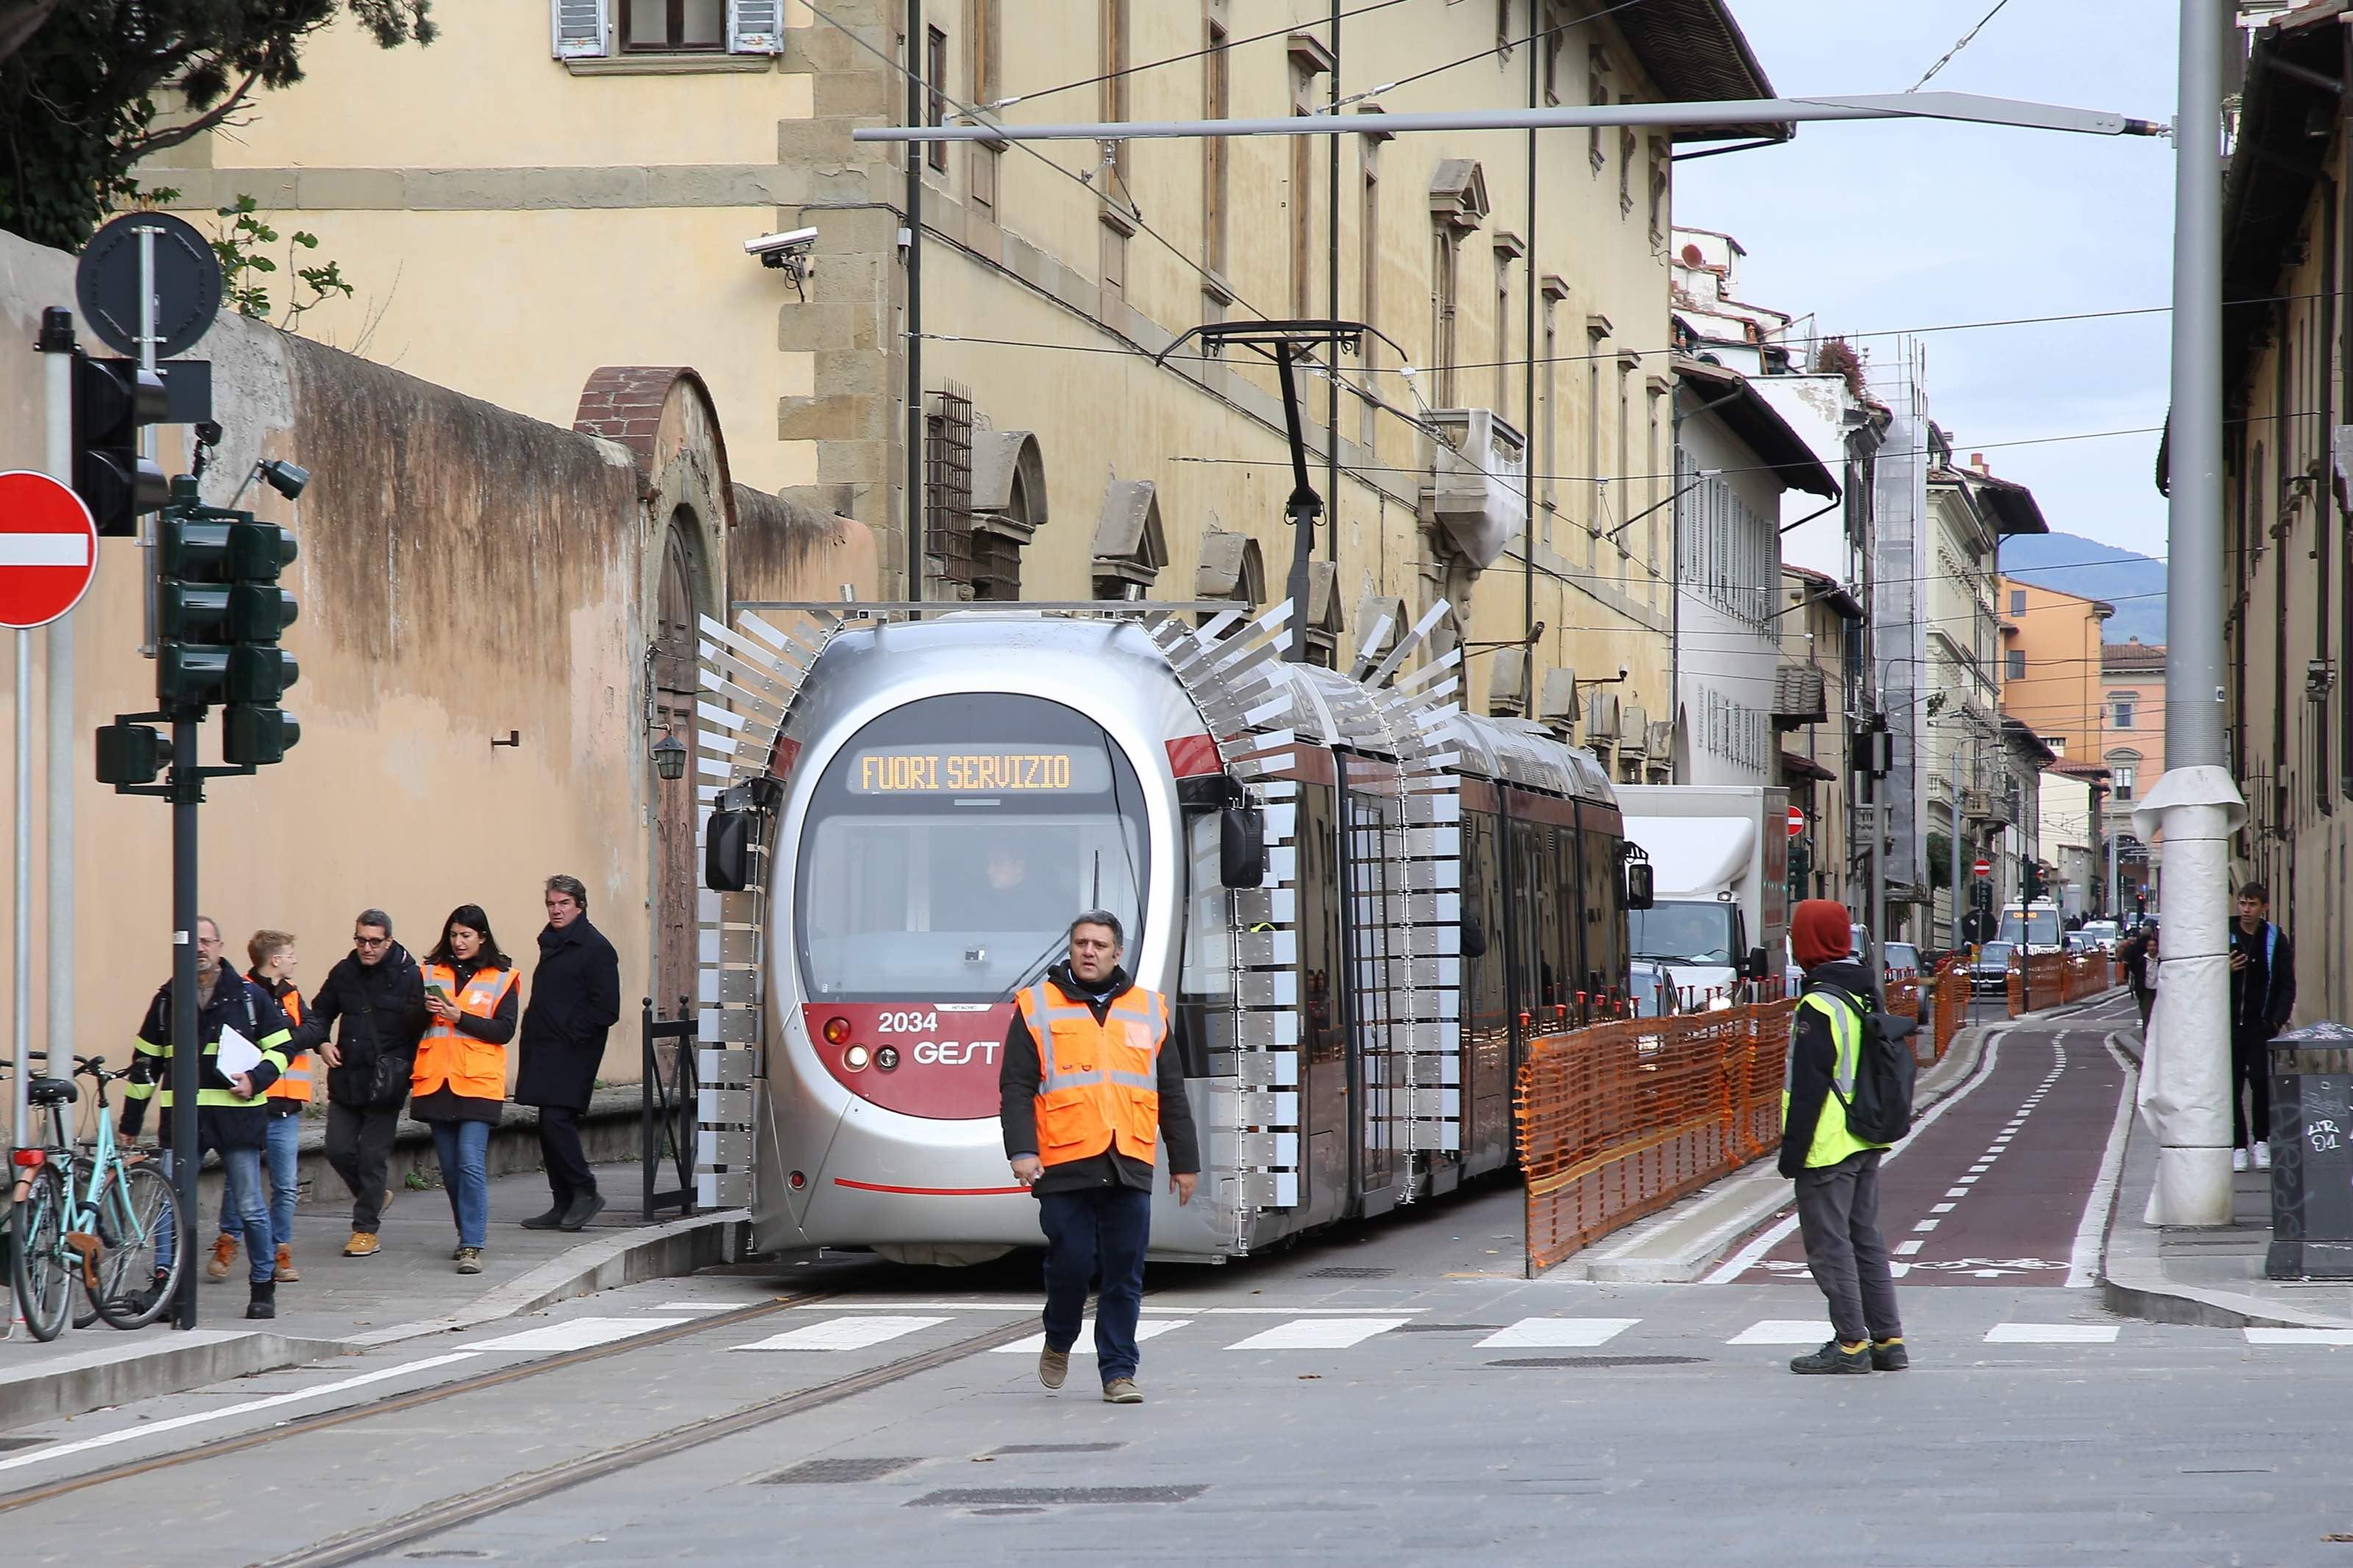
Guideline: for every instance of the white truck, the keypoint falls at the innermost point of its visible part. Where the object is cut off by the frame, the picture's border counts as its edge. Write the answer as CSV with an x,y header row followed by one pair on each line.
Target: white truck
x,y
1720,867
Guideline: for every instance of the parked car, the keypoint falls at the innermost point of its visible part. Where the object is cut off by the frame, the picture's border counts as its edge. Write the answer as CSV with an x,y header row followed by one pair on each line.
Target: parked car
x,y
2083,942
1989,971
2103,934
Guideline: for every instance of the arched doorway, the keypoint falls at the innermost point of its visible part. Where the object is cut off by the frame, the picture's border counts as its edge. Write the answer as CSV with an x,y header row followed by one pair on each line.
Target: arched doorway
x,y
674,685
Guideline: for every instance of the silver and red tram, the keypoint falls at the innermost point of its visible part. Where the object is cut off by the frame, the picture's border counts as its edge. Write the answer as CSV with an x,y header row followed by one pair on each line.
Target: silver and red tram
x,y
920,808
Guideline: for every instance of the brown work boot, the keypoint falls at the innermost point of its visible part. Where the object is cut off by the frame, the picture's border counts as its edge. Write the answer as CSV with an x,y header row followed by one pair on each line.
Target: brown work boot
x,y
224,1254
362,1243
286,1269
1123,1391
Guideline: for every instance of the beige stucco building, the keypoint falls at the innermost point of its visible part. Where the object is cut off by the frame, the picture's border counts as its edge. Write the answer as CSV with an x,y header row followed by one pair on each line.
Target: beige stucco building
x,y
548,188
2050,678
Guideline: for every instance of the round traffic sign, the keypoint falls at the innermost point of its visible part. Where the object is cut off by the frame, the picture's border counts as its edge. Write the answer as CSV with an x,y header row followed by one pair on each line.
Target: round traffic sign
x,y
187,283
1797,820
49,549
1983,868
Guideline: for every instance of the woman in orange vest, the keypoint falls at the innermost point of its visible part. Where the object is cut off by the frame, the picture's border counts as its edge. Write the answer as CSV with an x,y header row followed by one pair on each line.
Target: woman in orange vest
x,y
459,1082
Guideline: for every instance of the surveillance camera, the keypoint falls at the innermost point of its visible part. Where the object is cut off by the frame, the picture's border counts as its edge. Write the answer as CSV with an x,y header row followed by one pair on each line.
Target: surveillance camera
x,y
772,248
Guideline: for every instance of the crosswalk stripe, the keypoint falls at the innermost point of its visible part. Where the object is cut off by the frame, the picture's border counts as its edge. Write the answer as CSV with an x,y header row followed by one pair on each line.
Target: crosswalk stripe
x,y
2052,1334
2300,1336
843,1334
1317,1334
1085,1343
576,1334
1782,1331
1533,1332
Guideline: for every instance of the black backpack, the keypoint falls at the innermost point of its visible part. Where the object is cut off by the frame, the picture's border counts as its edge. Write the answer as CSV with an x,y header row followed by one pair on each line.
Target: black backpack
x,y
1884,1073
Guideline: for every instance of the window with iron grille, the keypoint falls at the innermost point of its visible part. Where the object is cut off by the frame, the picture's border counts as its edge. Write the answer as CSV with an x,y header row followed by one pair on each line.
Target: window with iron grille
x,y
947,483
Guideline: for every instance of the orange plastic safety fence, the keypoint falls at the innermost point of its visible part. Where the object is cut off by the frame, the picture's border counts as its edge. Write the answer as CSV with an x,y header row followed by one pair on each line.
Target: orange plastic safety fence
x,y
1618,1120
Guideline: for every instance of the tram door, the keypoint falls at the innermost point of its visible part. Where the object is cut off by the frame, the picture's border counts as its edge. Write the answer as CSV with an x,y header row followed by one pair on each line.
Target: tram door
x,y
1372,889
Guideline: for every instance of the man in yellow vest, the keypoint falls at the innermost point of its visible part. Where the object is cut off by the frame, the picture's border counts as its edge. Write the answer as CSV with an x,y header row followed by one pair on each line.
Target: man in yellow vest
x,y
1088,1080
1837,1172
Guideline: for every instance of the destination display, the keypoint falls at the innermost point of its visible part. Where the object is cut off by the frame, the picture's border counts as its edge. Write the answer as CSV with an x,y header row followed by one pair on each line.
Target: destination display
x,y
979,770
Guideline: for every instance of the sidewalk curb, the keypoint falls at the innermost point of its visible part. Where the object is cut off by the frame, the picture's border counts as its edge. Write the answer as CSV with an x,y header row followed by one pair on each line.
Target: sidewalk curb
x,y
1747,1199
139,1367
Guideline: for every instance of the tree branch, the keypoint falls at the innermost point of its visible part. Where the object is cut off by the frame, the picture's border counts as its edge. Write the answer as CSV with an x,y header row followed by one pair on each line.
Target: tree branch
x,y
19,20
158,141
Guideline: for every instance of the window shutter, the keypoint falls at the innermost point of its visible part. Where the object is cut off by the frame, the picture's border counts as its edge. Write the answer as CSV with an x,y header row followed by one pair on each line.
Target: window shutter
x,y
754,26
579,27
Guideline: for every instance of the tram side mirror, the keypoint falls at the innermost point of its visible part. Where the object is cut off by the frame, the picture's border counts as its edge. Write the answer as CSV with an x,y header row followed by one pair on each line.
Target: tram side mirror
x,y
1474,938
727,851
1757,963
1241,846
1639,884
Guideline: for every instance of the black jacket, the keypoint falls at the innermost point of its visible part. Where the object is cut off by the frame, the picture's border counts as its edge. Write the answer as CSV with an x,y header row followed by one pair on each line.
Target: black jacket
x,y
2263,994
381,1008
238,1002
575,1000
1018,1077
1813,1057
2134,953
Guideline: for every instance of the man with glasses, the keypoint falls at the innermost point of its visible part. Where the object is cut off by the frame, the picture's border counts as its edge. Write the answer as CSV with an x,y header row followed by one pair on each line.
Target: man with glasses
x,y
378,992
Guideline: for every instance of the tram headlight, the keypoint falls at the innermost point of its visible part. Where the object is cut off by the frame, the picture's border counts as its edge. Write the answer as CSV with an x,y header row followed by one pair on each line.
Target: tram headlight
x,y
854,1057
887,1058
836,1031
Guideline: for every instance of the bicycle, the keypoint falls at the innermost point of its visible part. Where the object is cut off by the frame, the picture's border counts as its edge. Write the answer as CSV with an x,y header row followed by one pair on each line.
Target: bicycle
x,y
93,1218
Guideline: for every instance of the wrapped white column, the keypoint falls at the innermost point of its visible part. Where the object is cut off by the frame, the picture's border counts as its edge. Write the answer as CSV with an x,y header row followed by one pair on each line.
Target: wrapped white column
x,y
2185,1081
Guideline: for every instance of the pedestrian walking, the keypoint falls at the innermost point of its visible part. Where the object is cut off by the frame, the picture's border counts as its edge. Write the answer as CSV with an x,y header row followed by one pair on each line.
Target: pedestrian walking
x,y
1837,1172
459,1085
2139,953
1088,1084
2263,996
272,955
232,1114
377,995
575,1000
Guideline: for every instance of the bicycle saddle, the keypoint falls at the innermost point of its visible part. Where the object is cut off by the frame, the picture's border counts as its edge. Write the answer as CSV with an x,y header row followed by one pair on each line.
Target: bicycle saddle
x,y
52,1092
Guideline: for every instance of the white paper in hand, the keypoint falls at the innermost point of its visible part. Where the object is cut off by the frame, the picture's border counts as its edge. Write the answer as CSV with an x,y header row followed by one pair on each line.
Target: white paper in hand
x,y
236,1053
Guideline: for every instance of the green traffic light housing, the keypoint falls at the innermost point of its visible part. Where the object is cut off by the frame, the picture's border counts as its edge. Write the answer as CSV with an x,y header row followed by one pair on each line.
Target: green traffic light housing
x,y
131,754
113,400
254,736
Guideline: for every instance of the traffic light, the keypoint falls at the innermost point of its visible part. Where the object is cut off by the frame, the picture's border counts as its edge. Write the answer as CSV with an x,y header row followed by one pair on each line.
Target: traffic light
x,y
220,613
113,400
2033,873
131,753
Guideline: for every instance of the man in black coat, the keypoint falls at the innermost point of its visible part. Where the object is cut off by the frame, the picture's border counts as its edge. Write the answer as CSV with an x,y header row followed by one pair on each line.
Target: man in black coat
x,y
378,992
2262,997
576,999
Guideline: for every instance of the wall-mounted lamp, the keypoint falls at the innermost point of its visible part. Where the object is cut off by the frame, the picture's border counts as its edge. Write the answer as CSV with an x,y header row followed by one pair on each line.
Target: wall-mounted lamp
x,y
514,738
669,756
2319,678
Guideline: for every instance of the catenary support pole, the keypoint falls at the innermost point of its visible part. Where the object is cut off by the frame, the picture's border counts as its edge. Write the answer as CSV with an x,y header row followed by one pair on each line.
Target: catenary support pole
x,y
2197,805
917,114
1877,908
56,344
1953,848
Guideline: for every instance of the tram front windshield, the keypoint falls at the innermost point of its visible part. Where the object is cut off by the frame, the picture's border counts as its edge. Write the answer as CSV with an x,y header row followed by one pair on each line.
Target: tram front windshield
x,y
948,845
1681,932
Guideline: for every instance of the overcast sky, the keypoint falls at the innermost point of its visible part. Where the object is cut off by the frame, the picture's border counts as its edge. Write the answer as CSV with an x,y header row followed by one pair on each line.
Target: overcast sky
x,y
1896,225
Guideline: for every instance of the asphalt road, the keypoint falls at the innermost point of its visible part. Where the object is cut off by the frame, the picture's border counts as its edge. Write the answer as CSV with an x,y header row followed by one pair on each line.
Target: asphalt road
x,y
1393,1395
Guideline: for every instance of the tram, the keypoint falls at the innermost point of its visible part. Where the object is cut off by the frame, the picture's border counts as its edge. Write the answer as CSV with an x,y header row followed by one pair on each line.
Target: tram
x,y
1359,900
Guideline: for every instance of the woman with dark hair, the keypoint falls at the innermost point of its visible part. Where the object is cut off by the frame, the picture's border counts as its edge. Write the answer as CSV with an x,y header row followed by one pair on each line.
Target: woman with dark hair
x,y
461,1080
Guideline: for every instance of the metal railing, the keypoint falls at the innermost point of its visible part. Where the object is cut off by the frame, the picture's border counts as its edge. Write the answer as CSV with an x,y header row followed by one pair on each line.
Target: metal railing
x,y
666,1111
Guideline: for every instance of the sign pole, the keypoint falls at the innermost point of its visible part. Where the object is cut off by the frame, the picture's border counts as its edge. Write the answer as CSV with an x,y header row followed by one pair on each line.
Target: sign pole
x,y
56,344
21,969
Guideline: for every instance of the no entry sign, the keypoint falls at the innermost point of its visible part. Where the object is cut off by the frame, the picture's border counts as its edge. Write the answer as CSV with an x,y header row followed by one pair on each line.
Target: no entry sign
x,y
1797,821
1983,868
49,549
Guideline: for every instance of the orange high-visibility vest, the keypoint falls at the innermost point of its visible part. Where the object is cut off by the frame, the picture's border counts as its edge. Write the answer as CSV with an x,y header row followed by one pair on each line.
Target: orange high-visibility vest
x,y
294,1083
472,1068
1099,1084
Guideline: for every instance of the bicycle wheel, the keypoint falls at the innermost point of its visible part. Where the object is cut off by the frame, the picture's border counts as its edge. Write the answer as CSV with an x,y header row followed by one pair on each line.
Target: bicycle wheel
x,y
38,1267
131,1215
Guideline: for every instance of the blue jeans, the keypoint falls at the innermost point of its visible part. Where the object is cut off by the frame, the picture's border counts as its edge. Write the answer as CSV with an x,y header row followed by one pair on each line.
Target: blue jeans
x,y
464,1149
242,1167
280,1156
1096,1234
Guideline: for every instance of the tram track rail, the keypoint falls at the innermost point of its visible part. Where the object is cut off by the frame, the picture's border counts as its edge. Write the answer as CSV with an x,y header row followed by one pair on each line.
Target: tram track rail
x,y
130,1470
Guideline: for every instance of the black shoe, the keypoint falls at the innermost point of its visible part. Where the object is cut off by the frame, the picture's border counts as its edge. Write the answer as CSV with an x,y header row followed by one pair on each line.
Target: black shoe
x,y
1889,1356
263,1302
1833,1358
583,1210
549,1220
146,1296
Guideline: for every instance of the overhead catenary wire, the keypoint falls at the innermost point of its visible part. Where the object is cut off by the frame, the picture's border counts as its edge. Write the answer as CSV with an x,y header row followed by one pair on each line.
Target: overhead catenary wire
x,y
1283,32
1966,39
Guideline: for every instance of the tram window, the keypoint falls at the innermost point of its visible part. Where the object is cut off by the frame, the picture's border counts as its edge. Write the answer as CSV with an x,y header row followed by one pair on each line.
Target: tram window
x,y
1204,994
948,845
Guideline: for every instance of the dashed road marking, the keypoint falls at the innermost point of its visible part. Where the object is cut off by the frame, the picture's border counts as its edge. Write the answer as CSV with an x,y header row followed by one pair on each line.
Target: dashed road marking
x,y
843,1334
1085,1343
1782,1331
2299,1336
1533,1332
1317,1334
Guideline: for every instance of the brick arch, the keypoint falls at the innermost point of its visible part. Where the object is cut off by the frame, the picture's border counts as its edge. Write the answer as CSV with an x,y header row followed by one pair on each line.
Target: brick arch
x,y
626,403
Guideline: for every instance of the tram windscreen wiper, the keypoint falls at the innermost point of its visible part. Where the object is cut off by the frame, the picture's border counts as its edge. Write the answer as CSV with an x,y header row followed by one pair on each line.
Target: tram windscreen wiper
x,y
1034,967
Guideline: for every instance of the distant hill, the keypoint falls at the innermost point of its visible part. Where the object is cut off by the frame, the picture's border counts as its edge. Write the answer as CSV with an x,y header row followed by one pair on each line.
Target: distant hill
x,y
2134,583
